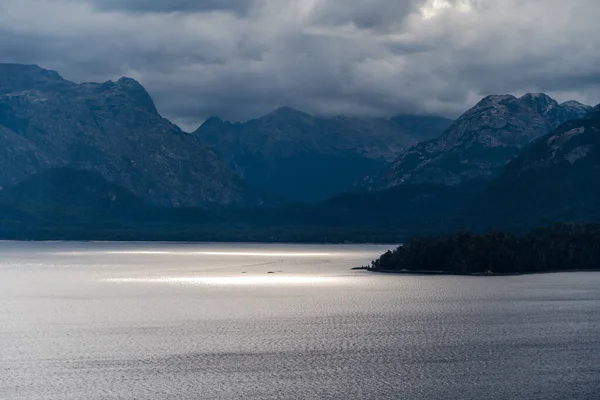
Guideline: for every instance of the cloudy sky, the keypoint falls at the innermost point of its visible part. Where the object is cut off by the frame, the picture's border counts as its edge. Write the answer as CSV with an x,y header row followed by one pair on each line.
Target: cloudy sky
x,y
241,58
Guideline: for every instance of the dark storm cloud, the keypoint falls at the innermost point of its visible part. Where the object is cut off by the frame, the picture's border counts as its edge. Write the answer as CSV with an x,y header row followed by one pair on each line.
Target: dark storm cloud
x,y
237,6
357,57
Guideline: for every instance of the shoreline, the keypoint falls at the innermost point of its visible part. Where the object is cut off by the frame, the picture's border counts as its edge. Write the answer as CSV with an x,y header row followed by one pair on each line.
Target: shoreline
x,y
477,274
199,242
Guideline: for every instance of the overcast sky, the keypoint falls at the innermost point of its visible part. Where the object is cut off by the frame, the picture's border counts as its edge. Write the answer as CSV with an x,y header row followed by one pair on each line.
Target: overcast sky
x,y
241,58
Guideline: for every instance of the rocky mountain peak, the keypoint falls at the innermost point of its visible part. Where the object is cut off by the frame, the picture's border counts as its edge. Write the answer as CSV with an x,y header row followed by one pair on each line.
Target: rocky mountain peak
x,y
574,104
130,82
126,92
137,93
212,121
17,78
211,129
480,143
494,100
31,71
540,102
112,129
567,111
286,112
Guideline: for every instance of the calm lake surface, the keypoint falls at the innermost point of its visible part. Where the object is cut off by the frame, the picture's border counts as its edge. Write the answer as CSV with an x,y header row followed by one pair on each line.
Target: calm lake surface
x,y
208,321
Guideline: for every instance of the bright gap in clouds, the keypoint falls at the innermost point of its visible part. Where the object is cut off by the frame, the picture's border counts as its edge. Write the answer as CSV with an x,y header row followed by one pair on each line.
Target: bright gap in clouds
x,y
434,8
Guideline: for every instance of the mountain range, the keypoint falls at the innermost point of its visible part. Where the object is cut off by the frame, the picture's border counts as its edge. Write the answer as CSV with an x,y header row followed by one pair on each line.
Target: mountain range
x,y
305,158
554,179
93,159
112,128
481,141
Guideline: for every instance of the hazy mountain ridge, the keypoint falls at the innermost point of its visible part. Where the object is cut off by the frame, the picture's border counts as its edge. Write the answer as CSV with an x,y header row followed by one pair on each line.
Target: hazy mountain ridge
x,y
112,128
312,158
481,142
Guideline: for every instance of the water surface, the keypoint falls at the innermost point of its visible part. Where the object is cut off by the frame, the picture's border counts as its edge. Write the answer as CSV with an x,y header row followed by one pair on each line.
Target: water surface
x,y
228,321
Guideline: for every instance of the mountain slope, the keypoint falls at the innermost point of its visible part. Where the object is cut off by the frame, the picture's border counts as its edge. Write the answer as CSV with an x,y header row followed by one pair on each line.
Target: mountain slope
x,y
306,158
72,196
404,205
480,143
556,178
112,128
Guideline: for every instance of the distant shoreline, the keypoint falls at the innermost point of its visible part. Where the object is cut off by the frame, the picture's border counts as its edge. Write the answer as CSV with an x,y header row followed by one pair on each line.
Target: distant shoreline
x,y
557,248
316,243
421,272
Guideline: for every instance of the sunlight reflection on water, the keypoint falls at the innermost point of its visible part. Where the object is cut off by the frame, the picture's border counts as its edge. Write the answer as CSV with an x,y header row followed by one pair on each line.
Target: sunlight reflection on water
x,y
152,321
233,280
196,253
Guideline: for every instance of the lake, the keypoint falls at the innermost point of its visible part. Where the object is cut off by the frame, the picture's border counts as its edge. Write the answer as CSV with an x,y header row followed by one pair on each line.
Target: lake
x,y
262,321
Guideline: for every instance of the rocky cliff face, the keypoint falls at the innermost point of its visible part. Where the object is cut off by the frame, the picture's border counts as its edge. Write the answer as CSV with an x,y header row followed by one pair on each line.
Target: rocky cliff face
x,y
555,178
308,158
481,142
112,128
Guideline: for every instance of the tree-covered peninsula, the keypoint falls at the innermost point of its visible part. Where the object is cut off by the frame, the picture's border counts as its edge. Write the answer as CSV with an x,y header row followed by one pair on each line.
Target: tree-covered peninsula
x,y
552,249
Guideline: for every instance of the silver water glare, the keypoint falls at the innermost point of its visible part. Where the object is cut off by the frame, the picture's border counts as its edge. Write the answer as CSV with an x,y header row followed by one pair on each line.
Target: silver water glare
x,y
159,321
